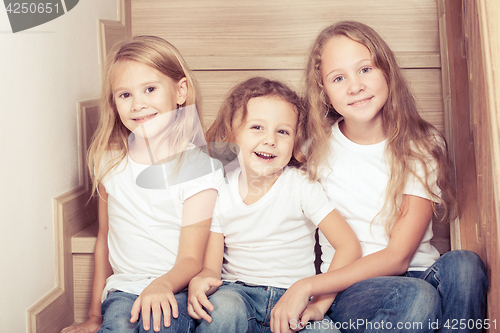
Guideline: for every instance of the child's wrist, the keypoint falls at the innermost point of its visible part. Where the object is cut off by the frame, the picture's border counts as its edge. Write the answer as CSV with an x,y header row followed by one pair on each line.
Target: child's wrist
x,y
95,316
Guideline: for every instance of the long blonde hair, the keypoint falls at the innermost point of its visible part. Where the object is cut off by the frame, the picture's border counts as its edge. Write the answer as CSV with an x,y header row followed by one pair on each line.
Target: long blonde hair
x,y
111,137
235,106
411,141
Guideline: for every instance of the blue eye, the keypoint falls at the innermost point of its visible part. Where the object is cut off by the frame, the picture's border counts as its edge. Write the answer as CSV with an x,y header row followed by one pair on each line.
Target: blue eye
x,y
258,127
338,79
283,132
124,95
150,89
365,70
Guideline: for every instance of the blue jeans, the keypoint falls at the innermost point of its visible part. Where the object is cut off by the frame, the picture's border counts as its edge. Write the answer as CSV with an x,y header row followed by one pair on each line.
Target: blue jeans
x,y
240,308
116,309
453,288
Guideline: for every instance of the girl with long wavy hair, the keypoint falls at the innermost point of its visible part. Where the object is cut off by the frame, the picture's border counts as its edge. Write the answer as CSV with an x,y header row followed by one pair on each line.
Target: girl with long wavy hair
x,y
388,171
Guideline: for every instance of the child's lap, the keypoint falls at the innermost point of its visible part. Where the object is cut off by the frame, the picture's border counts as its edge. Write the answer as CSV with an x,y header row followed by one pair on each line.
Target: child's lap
x,y
116,309
235,301
418,294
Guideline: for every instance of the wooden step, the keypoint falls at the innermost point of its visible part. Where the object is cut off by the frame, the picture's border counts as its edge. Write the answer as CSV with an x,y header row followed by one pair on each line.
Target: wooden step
x,y
82,246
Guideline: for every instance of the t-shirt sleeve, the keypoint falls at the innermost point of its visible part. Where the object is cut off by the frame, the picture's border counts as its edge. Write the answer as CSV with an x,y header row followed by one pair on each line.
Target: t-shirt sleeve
x,y
314,201
216,227
204,173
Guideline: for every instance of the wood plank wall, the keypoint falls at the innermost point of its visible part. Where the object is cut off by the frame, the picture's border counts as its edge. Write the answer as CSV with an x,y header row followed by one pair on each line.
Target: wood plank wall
x,y
476,136
227,42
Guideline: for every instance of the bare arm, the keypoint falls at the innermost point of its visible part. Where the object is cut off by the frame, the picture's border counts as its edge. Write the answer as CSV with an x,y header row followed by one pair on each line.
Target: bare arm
x,y
395,259
208,280
159,297
294,301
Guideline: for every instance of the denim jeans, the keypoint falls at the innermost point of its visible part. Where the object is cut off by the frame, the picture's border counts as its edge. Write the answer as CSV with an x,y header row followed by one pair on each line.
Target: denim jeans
x,y
116,309
240,308
453,288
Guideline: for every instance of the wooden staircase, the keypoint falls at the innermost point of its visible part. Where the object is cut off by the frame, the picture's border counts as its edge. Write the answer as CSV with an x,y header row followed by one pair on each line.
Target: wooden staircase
x,y
228,53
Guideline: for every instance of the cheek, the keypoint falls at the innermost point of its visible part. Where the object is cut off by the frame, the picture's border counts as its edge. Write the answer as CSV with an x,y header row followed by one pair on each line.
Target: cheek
x,y
331,95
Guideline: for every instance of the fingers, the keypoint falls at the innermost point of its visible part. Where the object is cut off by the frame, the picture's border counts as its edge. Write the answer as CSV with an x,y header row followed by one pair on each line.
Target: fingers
x,y
152,309
173,305
168,305
136,309
195,307
155,308
305,318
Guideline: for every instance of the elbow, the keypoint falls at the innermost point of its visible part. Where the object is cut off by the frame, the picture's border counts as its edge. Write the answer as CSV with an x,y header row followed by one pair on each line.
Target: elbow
x,y
194,263
401,265
358,251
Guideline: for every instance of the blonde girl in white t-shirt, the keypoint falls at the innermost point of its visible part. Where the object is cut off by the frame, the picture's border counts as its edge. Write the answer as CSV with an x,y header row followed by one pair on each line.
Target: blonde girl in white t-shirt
x,y
156,191
387,169
262,238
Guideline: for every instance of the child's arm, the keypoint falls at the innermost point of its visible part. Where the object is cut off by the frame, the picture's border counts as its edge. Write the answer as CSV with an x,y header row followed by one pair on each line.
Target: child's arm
x,y
102,270
208,280
159,297
394,260
296,298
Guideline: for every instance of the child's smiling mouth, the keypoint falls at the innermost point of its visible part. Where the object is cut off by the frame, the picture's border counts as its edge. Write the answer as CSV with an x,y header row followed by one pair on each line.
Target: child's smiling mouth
x,y
145,118
265,156
362,101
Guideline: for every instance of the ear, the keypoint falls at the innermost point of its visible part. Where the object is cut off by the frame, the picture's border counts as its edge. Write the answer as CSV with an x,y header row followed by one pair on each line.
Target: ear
x,y
182,91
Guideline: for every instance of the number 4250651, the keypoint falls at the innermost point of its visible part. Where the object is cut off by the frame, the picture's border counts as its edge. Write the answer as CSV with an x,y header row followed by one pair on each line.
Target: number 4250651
x,y
27,7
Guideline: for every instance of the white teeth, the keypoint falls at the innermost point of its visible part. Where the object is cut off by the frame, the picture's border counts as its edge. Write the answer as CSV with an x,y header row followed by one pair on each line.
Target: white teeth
x,y
265,155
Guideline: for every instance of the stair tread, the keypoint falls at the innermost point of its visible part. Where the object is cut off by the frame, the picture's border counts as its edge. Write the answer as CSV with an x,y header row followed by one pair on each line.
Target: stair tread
x,y
84,241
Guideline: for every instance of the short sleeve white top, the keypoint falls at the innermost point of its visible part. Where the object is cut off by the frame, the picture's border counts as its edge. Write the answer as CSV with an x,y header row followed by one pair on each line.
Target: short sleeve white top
x,y
271,242
145,223
355,180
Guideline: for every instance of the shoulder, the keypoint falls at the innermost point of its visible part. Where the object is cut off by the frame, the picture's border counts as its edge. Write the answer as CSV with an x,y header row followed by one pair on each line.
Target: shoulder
x,y
112,162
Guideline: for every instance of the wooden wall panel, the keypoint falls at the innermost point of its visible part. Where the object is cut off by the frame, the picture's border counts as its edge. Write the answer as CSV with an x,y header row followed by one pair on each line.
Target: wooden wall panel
x,y
476,131
425,84
481,33
277,34
83,268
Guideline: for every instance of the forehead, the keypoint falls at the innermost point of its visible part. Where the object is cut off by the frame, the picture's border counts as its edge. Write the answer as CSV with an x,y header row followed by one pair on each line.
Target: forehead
x,y
126,70
271,107
341,47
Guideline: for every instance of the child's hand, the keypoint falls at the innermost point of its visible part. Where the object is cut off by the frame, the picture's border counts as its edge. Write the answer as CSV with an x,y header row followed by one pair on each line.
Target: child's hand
x,y
199,288
312,312
286,314
92,325
155,298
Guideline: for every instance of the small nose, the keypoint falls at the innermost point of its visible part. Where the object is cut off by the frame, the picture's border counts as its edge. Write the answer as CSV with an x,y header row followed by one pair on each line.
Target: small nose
x,y
270,139
139,103
356,86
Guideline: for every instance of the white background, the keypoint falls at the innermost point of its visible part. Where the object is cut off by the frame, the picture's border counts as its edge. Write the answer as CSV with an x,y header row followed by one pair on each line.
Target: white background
x,y
44,72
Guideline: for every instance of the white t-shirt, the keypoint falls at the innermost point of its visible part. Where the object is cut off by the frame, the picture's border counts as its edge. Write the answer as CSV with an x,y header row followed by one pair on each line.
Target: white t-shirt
x,y
145,223
355,179
271,242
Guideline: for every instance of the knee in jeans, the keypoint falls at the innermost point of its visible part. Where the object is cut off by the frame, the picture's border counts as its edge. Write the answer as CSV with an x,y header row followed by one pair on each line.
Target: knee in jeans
x,y
467,267
425,297
228,305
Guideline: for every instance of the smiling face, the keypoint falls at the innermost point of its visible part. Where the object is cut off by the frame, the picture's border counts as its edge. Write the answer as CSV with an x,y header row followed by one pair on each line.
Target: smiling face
x,y
355,87
141,93
266,137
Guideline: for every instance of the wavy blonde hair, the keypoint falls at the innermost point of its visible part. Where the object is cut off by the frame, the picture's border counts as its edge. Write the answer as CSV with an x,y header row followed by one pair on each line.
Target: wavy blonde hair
x,y
411,141
235,107
111,137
